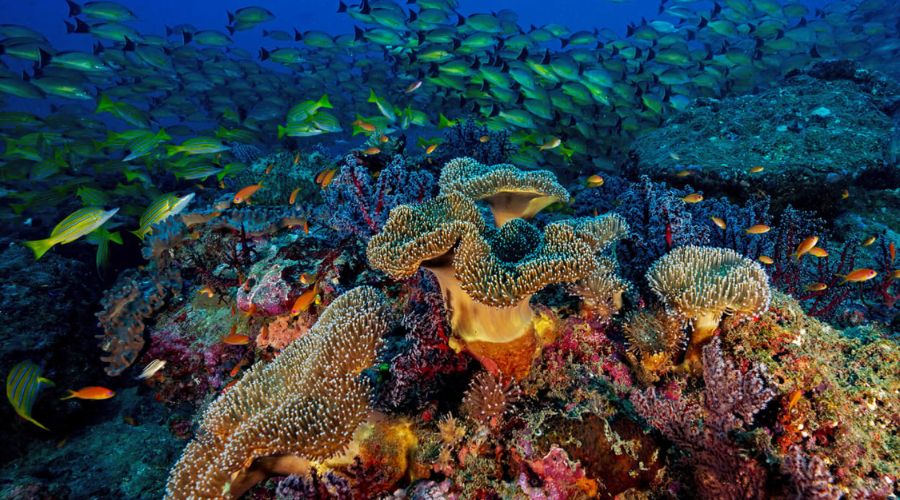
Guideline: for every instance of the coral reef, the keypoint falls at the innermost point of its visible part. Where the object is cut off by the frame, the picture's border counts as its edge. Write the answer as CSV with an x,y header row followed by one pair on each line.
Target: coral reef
x,y
283,410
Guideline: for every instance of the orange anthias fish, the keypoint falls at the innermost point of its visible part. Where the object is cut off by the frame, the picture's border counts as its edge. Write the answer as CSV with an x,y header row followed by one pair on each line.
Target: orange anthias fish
x,y
892,251
805,246
868,241
368,127
207,291
816,287
845,194
245,193
757,169
859,275
684,173
595,181
430,149
374,150
293,198
765,259
304,300
719,222
383,139
693,198
297,158
324,178
236,339
483,139
818,252
757,229
91,392
269,168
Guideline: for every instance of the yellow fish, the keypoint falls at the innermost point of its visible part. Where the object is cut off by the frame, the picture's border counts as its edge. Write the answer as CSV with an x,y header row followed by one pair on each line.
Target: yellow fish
x,y
76,225
719,222
757,229
765,259
22,386
693,198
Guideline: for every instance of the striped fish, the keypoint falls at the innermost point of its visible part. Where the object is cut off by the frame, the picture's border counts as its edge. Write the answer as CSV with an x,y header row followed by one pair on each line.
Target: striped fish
x,y
22,386
80,223
164,207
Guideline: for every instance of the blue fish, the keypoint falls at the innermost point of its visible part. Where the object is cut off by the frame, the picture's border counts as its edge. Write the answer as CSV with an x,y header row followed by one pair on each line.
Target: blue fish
x,y
22,386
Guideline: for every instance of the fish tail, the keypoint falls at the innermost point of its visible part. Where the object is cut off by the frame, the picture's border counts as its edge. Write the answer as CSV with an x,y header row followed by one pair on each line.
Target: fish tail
x,y
140,233
40,247
281,132
104,104
46,381
172,150
70,396
33,421
324,102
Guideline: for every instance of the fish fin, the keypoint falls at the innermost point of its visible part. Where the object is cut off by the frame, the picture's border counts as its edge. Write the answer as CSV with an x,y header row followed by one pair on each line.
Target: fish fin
x,y
40,247
46,381
70,396
324,102
281,132
33,421
104,104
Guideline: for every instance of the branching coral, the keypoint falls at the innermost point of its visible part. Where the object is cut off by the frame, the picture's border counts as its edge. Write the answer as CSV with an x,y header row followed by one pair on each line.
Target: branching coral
x,y
134,298
701,284
731,399
511,193
304,405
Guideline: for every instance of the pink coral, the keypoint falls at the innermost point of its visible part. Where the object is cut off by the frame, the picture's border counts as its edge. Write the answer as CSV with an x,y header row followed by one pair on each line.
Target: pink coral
x,y
267,295
284,330
558,478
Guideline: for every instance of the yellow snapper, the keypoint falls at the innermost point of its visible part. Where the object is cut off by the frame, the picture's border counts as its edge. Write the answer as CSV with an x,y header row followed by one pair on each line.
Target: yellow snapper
x,y
22,386
80,223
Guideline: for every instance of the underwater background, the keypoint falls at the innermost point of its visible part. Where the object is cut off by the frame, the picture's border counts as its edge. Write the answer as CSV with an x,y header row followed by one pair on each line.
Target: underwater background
x,y
450,249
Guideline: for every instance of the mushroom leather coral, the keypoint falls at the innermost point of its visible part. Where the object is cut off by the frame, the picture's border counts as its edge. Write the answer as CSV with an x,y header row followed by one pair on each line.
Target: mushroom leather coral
x,y
511,193
701,284
304,406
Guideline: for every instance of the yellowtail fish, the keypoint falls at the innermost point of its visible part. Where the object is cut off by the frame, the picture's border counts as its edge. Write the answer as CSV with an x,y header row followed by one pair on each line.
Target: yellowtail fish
x,y
765,259
719,222
161,209
80,223
22,386
552,143
757,229
693,198
805,246
151,369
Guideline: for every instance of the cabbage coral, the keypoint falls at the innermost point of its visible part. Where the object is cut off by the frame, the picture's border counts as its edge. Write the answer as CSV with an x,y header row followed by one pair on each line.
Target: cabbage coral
x,y
511,193
304,406
488,275
701,284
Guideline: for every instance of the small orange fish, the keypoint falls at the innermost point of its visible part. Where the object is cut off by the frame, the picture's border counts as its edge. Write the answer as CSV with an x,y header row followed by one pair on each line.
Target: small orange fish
x,y
236,339
552,143
868,241
595,181
758,229
483,139
207,291
324,178
845,194
719,222
895,274
859,275
368,127
306,278
293,198
237,368
221,184
229,385
892,251
693,198
269,168
430,149
757,169
304,301
251,311
413,87
818,252
765,259
816,287
684,173
805,246
297,158
305,226
374,150
383,139
245,193
91,392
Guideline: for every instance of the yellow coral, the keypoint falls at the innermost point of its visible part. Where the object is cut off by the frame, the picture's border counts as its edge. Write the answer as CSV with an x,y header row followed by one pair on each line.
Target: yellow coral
x,y
511,193
701,284
304,405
